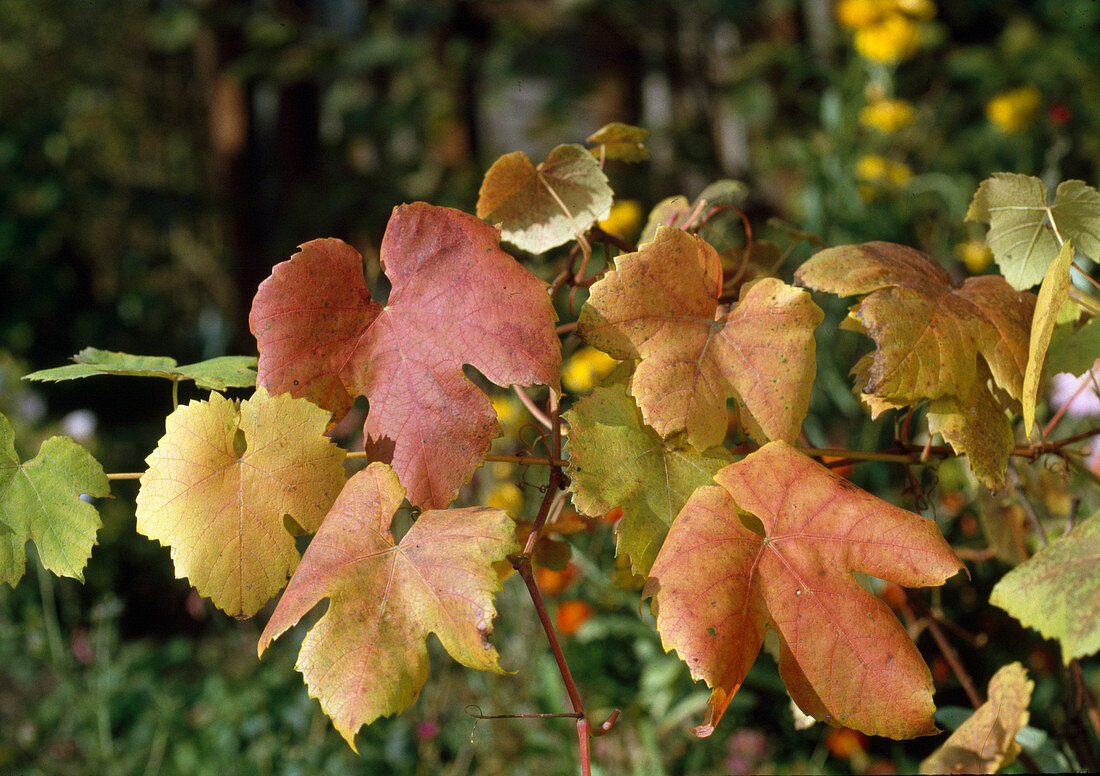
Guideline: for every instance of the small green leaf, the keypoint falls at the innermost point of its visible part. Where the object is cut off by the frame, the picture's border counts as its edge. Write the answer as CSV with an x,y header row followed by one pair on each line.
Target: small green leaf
x,y
1074,349
1015,207
41,501
217,374
1022,224
1057,591
1076,213
1052,295
213,374
615,460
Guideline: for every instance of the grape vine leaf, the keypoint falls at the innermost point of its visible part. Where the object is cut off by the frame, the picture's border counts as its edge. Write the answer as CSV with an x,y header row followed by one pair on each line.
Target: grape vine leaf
x,y
1057,591
1074,349
986,741
620,142
367,656
615,460
40,501
935,342
977,426
457,299
772,547
1022,225
1053,293
214,374
221,483
661,304
539,208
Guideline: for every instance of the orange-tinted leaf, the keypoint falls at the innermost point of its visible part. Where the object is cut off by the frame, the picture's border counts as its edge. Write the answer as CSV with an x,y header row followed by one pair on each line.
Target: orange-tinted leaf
x,y
554,582
539,208
367,656
774,547
986,741
219,484
660,304
457,299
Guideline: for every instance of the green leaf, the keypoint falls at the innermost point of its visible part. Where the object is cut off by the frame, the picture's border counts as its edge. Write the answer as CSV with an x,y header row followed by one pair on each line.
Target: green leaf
x,y
1021,223
615,460
1076,213
40,501
1074,349
1052,295
217,374
213,374
539,208
1057,591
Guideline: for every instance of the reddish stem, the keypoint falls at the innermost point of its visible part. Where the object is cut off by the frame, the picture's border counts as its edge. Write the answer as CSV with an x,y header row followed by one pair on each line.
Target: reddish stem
x,y
948,651
522,564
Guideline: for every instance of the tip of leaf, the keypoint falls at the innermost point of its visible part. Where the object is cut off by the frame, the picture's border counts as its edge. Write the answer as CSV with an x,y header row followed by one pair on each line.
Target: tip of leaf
x,y
702,731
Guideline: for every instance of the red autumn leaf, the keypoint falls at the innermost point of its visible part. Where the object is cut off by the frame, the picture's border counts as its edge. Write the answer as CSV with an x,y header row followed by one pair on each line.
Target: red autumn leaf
x,y
309,318
773,548
457,299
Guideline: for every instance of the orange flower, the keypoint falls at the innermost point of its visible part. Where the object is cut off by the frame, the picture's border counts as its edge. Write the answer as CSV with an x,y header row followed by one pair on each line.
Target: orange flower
x,y
845,743
613,515
572,614
553,582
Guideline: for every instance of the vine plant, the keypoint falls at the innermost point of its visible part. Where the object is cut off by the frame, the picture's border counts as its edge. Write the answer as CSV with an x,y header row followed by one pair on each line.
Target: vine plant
x,y
744,534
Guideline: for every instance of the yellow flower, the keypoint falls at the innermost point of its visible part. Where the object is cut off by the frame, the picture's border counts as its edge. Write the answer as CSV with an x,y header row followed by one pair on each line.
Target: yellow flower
x,y
585,368
855,14
877,172
506,496
975,254
1013,110
872,167
918,9
899,173
893,39
861,13
624,218
887,115
511,414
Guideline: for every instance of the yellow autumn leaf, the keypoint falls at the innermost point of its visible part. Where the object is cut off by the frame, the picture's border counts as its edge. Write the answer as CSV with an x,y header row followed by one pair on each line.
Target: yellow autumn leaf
x,y
1053,293
221,483
986,742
